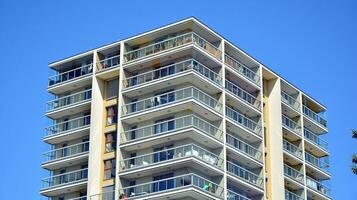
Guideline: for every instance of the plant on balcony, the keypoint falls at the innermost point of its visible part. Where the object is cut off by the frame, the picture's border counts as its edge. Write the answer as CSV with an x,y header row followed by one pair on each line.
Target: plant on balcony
x,y
354,156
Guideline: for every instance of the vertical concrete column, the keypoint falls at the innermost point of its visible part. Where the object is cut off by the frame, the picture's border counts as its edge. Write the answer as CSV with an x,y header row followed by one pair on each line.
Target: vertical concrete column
x,y
224,119
303,145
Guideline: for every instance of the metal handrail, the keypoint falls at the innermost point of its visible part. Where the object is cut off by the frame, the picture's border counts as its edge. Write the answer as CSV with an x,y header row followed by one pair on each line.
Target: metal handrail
x,y
318,186
286,98
70,75
70,125
293,173
235,196
68,100
242,94
317,162
108,63
245,174
292,196
314,116
65,178
242,69
293,149
312,137
244,147
291,124
242,120
67,151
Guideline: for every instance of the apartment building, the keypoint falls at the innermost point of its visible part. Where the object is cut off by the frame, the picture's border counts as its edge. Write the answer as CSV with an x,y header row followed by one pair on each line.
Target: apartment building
x,y
179,112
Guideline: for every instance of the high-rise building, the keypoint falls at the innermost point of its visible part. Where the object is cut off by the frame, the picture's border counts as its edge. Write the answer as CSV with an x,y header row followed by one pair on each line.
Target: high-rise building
x,y
179,112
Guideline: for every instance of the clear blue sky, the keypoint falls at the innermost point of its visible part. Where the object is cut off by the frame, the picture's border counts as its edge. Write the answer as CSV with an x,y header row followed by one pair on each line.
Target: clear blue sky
x,y
311,43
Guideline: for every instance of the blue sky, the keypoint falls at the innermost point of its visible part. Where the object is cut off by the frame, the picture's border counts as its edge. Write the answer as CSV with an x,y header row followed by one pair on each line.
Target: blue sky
x,y
313,44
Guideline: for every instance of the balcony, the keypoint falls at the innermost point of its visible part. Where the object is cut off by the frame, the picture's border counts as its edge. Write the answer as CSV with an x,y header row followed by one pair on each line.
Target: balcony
x,y
108,63
292,196
235,196
291,101
60,183
170,156
293,174
291,125
174,70
315,117
242,70
242,95
318,187
178,126
191,185
244,174
73,154
320,163
315,140
244,121
70,75
56,108
170,98
79,198
172,43
244,147
292,149
105,196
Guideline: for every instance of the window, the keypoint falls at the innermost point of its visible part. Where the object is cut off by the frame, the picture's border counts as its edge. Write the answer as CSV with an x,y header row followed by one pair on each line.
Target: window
x,y
108,192
109,169
112,88
110,142
112,115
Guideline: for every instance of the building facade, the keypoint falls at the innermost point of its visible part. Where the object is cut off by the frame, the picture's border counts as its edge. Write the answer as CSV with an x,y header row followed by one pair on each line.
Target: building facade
x,y
180,112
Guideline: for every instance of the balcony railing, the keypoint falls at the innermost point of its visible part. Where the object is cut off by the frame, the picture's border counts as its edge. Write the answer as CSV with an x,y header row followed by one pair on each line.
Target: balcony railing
x,y
244,147
291,125
172,154
173,70
66,178
171,125
235,196
286,98
108,63
318,186
109,195
242,69
292,149
293,173
79,198
71,125
171,98
292,196
245,174
68,151
69,100
244,121
242,94
180,40
312,137
173,183
70,75
321,163
314,116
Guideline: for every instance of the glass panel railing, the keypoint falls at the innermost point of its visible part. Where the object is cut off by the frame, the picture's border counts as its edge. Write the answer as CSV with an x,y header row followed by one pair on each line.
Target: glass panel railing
x,y
173,70
293,149
171,125
314,116
68,151
180,40
70,125
69,100
244,147
242,69
171,98
173,183
244,121
171,154
291,125
321,163
109,195
293,173
245,174
286,98
79,198
312,137
292,196
70,75
242,94
65,178
108,63
318,186
235,196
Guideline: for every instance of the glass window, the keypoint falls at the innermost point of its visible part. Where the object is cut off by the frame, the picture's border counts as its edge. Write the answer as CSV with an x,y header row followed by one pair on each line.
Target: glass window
x,y
109,169
112,88
110,142
112,115
108,192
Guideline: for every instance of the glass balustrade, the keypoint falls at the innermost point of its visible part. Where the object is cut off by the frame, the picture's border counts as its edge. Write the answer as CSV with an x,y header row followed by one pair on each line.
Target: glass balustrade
x,y
292,196
173,70
171,125
70,125
80,198
109,195
171,154
171,98
318,186
68,151
291,101
244,174
242,94
235,196
314,116
65,178
292,149
242,69
244,147
108,63
293,173
321,163
68,100
291,125
70,75
244,121
312,137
